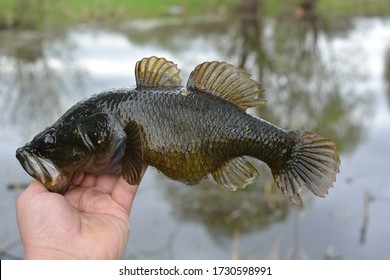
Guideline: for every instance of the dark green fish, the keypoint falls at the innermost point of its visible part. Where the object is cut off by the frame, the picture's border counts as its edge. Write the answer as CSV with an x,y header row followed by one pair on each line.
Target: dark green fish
x,y
185,132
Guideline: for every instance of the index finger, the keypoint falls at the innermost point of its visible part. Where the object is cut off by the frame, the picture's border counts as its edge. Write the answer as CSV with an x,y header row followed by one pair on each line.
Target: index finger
x,y
124,193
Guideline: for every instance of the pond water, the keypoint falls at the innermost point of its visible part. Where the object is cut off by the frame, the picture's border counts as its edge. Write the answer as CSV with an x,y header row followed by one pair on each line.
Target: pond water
x,y
332,77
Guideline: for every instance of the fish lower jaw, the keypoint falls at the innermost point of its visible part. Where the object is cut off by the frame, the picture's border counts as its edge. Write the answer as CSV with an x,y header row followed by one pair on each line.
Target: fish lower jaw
x,y
43,170
58,183
53,179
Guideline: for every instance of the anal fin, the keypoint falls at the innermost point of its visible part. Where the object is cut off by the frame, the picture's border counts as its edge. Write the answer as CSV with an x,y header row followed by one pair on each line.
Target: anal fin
x,y
235,173
132,160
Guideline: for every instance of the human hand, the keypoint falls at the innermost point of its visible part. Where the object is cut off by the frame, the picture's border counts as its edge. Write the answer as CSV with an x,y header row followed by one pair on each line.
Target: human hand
x,y
90,221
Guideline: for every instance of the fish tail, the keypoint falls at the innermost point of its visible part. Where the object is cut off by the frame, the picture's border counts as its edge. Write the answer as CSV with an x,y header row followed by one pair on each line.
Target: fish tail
x,y
313,162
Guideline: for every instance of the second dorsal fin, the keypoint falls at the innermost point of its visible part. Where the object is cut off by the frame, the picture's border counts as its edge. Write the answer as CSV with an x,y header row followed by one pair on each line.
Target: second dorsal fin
x,y
157,72
228,82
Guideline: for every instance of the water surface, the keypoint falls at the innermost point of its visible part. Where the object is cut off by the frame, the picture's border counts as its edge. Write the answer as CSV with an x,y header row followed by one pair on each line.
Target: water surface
x,y
332,77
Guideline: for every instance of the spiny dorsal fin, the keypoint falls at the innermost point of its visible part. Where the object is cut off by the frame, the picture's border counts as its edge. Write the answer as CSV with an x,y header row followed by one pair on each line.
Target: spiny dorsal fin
x,y
228,82
235,173
157,72
132,160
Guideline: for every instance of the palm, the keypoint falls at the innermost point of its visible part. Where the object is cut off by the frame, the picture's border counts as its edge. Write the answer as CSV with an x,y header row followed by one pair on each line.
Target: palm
x,y
90,221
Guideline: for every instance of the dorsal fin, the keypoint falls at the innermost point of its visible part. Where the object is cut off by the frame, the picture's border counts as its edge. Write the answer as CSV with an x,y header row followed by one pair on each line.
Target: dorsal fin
x,y
157,72
228,82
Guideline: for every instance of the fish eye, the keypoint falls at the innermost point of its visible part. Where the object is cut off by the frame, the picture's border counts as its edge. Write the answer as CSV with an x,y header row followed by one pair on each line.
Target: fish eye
x,y
48,139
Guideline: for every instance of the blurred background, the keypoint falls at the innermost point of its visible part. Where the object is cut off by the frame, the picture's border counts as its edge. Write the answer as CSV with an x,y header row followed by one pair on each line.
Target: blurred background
x,y
325,66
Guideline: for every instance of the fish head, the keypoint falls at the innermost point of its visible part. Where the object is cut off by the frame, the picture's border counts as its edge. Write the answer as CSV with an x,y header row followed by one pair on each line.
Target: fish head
x,y
55,156
95,143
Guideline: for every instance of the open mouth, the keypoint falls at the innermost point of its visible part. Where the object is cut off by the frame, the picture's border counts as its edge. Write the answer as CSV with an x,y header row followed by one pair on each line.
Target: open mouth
x,y
42,169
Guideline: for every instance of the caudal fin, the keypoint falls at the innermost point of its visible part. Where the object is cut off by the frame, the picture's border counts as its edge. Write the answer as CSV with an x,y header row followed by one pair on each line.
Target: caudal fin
x,y
314,164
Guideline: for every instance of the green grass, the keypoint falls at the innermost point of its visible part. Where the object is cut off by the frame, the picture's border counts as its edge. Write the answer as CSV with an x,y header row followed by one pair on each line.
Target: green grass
x,y
35,13
149,8
333,7
43,13
355,7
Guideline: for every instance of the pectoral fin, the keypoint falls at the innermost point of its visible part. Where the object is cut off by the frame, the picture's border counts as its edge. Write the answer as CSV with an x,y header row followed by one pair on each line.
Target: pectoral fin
x,y
132,160
235,173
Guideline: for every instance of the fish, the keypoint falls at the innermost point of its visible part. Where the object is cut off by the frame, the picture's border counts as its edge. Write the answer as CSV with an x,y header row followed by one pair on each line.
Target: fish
x,y
185,132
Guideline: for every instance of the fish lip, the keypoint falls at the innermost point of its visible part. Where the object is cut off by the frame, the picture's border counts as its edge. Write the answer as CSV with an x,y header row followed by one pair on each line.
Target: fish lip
x,y
42,169
23,157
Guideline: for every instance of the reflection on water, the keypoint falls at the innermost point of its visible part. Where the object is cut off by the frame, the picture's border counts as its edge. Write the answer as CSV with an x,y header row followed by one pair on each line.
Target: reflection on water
x,y
387,75
295,60
313,81
226,213
36,76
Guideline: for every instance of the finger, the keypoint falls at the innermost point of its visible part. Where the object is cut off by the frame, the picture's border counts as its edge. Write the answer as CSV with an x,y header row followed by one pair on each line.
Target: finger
x,y
92,188
124,193
84,179
34,200
33,189
106,183
77,180
36,187
89,180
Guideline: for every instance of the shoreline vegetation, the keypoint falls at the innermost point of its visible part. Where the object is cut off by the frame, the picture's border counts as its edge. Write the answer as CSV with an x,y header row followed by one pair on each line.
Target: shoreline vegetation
x,y
41,14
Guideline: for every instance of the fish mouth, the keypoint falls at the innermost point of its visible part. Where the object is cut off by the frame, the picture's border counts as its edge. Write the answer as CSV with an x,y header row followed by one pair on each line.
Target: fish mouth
x,y
43,170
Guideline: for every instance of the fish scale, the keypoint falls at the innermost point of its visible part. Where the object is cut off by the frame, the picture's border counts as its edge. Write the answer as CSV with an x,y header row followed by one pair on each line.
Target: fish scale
x,y
185,132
